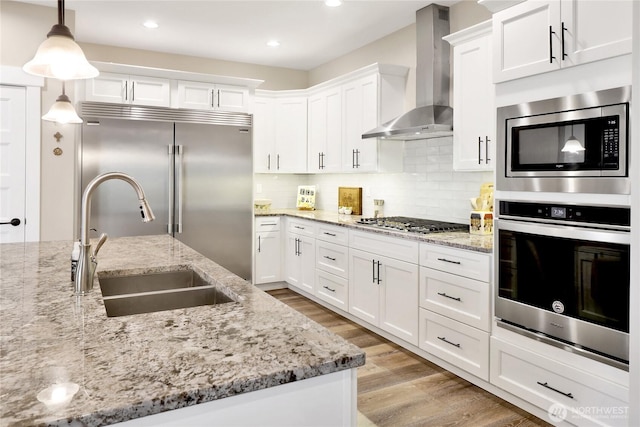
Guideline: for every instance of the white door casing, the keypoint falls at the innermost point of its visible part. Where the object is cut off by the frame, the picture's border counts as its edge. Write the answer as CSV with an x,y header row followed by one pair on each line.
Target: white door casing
x,y
20,127
12,163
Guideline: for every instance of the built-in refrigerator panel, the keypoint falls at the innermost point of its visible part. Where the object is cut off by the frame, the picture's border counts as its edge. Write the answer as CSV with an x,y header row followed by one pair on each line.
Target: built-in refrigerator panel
x,y
135,147
214,175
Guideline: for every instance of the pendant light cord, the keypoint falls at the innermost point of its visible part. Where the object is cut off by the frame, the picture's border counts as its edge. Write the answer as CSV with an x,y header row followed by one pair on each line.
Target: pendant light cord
x,y
61,12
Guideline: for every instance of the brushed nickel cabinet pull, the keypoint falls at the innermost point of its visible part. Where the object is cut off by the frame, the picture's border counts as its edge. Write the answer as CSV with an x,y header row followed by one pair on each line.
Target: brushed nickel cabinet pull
x,y
449,261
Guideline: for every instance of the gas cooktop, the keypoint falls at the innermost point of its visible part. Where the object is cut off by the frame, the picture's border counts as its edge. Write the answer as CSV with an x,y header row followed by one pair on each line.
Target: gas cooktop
x,y
413,225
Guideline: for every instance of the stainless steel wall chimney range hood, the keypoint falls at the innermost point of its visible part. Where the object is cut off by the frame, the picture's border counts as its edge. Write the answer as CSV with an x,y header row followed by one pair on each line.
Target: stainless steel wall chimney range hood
x,y
433,117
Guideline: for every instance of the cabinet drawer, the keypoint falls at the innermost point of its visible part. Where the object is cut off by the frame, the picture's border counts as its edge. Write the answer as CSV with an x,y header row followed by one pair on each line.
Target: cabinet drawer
x,y
332,289
473,265
392,247
332,233
302,227
462,299
267,223
545,382
332,258
455,342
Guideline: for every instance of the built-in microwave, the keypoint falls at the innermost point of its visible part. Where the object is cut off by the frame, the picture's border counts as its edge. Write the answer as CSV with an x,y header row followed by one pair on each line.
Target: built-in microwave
x,y
574,144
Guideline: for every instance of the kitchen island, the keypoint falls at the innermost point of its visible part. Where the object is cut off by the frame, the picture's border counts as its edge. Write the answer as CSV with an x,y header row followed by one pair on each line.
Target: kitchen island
x,y
132,367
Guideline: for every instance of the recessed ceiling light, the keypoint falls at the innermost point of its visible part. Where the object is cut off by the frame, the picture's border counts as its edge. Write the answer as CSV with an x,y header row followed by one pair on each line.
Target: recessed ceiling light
x,y
150,24
273,43
333,3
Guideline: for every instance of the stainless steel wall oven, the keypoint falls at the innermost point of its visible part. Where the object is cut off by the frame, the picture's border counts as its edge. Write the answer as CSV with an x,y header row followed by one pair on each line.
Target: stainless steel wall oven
x,y
562,276
575,144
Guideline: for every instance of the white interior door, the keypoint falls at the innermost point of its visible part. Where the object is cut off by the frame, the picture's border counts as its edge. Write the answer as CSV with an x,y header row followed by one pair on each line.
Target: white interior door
x,y
12,163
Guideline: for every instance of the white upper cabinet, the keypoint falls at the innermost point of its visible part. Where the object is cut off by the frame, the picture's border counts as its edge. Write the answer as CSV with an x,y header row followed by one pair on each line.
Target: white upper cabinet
x,y
206,96
368,102
539,36
129,89
325,131
473,99
280,133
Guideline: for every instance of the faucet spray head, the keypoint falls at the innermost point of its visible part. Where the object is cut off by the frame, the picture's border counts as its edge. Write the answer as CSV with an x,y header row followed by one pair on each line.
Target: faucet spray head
x,y
145,211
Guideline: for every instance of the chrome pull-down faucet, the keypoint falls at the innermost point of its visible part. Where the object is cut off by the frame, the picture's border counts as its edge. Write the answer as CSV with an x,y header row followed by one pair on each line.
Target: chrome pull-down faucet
x,y
87,261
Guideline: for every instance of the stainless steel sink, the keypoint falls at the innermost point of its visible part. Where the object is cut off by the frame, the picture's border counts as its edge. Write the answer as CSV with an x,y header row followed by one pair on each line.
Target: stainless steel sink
x,y
128,294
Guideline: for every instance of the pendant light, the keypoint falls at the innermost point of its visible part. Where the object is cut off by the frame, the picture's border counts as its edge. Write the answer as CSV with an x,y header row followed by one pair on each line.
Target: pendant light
x,y
572,145
62,111
59,57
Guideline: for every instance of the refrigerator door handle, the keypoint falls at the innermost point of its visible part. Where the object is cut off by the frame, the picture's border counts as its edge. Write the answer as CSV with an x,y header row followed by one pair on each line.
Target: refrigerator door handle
x,y
171,188
179,187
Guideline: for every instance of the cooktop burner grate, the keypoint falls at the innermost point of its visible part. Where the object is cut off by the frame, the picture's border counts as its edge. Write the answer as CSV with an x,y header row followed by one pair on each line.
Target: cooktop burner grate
x,y
414,225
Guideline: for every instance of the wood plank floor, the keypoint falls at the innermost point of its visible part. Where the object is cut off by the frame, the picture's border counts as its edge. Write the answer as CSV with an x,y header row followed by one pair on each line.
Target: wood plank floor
x,y
398,388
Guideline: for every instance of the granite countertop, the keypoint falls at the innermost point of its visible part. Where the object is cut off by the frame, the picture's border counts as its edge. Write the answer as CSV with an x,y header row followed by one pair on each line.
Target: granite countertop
x,y
457,239
132,366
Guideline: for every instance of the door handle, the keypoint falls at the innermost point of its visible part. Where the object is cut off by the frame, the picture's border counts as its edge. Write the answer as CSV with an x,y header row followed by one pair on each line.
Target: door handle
x,y
373,270
479,150
564,55
15,222
259,240
486,150
172,183
180,150
379,280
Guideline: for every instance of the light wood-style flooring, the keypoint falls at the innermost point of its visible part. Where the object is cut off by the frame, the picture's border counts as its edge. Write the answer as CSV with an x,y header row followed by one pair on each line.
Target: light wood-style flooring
x,y
398,388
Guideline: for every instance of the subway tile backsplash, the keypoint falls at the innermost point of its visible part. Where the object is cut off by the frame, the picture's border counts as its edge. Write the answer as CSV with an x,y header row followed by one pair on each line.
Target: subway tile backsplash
x,y
428,187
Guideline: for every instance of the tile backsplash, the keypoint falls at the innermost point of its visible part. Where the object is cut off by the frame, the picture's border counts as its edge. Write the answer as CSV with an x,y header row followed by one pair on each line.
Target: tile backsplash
x,y
428,187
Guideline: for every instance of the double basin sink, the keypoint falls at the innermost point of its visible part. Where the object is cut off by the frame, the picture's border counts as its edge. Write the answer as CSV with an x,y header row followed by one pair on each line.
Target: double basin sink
x,y
136,293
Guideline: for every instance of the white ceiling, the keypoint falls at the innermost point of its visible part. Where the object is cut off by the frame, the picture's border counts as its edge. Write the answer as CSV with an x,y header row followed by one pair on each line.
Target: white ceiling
x,y
310,33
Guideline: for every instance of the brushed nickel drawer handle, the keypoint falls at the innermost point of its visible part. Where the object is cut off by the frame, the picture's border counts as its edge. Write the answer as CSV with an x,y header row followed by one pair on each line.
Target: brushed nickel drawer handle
x,y
330,234
546,385
448,342
329,289
443,294
329,258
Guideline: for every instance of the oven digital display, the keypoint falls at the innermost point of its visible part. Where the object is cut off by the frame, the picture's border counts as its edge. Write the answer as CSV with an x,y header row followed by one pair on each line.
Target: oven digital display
x,y
557,212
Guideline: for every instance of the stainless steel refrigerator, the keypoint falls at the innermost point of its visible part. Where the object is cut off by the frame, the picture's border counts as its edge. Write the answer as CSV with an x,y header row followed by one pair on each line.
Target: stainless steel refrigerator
x,y
196,170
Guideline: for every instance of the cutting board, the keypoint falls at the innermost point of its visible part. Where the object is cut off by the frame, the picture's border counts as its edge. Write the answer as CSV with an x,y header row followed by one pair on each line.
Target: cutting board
x,y
351,196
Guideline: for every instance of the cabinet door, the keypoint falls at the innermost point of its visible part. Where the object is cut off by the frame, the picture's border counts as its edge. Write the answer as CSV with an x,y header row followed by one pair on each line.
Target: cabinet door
x,y
195,95
291,135
264,134
399,299
300,262
325,131
596,29
526,40
360,114
231,98
268,259
473,106
150,91
108,87
364,289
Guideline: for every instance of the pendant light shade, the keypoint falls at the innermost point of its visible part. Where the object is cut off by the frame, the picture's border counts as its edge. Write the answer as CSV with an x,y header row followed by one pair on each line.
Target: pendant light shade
x,y
62,111
572,145
59,56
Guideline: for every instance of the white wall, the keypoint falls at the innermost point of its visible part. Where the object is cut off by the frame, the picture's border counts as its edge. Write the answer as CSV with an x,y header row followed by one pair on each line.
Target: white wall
x,y
428,187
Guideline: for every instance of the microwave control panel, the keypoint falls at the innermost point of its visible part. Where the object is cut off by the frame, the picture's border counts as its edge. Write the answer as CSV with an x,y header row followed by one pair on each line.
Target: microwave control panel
x,y
610,142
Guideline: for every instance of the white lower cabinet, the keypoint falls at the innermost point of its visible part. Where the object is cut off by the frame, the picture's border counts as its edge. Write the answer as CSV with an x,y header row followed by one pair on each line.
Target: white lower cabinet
x,y
332,265
268,250
384,292
332,289
457,343
300,254
455,306
566,392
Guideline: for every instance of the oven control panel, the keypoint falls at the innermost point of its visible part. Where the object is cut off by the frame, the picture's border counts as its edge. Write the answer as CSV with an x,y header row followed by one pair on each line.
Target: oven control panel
x,y
607,215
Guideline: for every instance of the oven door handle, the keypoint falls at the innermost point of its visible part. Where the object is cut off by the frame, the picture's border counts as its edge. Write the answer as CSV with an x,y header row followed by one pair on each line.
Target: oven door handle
x,y
563,231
